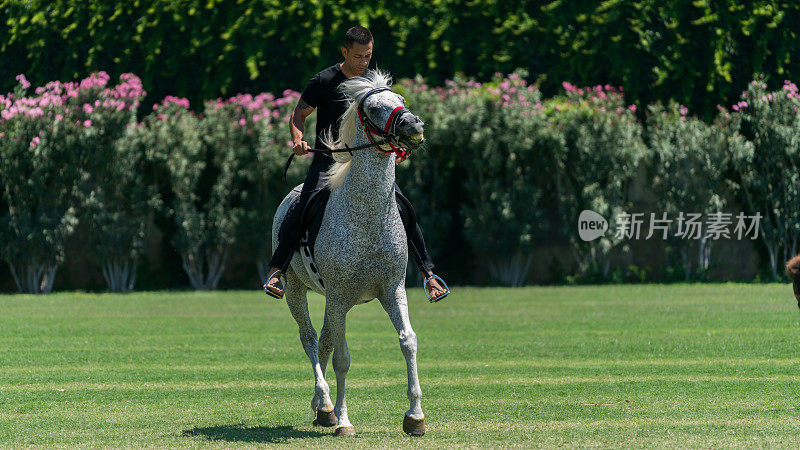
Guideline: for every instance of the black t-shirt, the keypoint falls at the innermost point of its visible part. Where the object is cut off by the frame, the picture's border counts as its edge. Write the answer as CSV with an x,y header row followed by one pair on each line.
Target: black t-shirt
x,y
321,92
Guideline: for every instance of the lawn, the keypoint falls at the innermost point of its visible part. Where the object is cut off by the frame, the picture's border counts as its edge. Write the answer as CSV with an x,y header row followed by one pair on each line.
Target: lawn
x,y
640,365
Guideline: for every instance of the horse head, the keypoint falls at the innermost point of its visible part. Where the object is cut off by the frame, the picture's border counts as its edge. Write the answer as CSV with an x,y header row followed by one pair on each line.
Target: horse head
x,y
387,124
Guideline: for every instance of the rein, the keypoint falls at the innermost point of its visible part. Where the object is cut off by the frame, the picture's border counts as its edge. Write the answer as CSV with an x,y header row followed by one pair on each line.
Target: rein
x,y
388,134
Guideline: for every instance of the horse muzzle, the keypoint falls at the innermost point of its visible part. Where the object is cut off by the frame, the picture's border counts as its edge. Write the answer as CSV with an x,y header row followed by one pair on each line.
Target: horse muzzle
x,y
413,141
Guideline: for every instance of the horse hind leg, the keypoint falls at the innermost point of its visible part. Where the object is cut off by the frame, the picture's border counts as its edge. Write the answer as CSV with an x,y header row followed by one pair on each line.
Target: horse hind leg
x,y
298,305
395,304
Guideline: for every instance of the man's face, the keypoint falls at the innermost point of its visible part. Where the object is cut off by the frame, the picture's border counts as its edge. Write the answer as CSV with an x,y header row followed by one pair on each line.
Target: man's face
x,y
357,58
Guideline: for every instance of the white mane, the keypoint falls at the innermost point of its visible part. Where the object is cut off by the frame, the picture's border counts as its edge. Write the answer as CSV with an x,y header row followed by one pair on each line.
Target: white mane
x,y
354,89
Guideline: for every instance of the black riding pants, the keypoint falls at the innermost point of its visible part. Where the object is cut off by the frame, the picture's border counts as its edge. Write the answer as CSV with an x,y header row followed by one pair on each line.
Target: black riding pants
x,y
289,234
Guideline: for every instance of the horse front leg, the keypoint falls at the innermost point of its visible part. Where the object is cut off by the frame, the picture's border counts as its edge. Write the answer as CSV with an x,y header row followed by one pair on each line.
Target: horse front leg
x,y
333,339
395,303
298,305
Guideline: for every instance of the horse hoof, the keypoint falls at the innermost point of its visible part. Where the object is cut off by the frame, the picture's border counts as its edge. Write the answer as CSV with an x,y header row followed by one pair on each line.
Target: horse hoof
x,y
345,431
414,427
325,419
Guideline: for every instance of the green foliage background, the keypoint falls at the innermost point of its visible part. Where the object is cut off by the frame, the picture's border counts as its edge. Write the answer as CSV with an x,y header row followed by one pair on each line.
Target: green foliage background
x,y
699,53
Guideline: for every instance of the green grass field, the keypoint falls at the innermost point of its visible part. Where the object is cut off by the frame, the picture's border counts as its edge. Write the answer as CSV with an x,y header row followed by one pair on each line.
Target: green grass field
x,y
648,365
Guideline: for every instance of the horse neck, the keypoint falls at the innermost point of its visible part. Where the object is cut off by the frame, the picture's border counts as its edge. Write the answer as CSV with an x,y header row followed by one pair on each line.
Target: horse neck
x,y
369,184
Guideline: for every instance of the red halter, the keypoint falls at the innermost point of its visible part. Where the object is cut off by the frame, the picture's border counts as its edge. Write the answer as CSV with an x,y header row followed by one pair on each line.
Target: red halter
x,y
388,133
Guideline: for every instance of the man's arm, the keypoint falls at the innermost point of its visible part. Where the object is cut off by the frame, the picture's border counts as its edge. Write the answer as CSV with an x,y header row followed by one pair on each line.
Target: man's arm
x,y
297,127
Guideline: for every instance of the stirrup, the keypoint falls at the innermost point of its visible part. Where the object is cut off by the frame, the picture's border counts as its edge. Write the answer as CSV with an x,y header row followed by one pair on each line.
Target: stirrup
x,y
279,286
441,281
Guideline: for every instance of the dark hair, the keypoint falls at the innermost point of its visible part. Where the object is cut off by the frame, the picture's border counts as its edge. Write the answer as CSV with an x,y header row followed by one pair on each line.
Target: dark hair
x,y
357,34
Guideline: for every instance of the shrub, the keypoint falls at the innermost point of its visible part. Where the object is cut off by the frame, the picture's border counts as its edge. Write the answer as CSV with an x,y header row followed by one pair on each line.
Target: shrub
x,y
116,200
767,170
41,157
689,161
595,165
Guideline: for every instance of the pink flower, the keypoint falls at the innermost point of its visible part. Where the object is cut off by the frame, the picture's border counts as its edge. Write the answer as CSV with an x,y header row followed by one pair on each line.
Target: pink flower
x,y
735,107
35,141
632,108
242,122
87,108
569,87
87,123
23,81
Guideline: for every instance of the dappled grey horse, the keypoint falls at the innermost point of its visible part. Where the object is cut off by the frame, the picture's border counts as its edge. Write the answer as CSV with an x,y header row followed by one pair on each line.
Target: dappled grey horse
x,y
361,250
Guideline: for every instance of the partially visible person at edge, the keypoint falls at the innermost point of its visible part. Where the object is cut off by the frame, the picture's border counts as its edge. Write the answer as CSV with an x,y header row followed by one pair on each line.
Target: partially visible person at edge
x,y
321,93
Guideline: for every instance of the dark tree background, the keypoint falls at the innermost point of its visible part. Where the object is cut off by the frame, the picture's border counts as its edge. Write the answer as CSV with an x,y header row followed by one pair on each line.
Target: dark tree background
x,y
697,52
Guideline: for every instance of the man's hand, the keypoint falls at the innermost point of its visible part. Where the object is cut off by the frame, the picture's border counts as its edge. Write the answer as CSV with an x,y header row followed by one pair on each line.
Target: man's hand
x,y
301,147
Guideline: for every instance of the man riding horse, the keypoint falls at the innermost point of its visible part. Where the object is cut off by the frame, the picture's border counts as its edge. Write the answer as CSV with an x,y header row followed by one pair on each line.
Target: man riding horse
x,y
321,93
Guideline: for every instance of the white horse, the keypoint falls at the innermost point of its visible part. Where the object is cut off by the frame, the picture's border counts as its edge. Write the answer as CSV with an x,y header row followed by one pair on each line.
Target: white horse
x,y
361,251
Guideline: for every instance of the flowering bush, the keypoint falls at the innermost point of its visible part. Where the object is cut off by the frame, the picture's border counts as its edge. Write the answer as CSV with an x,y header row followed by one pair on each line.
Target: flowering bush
x,y
49,164
687,169
769,168
243,134
595,165
116,201
467,132
214,162
266,178
38,169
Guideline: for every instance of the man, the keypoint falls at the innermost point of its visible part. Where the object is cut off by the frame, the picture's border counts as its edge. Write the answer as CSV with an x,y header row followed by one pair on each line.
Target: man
x,y
321,93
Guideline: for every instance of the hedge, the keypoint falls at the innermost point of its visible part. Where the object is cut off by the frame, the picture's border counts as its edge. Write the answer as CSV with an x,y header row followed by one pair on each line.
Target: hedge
x,y
504,171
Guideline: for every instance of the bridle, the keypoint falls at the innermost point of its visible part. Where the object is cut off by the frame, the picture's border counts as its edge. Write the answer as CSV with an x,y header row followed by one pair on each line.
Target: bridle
x,y
385,135
389,131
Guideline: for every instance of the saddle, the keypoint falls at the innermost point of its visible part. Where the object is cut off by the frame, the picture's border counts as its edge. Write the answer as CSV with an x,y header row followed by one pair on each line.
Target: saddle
x,y
311,220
